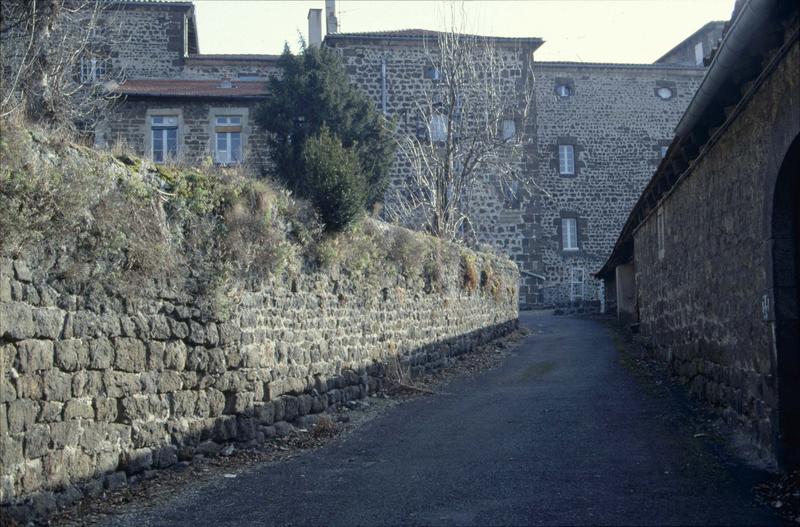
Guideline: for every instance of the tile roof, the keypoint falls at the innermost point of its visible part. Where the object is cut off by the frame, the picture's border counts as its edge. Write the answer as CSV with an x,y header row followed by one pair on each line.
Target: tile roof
x,y
190,88
419,34
233,57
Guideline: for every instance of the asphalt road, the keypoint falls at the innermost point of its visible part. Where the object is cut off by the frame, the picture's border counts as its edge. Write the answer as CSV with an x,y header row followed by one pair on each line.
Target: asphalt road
x,y
560,434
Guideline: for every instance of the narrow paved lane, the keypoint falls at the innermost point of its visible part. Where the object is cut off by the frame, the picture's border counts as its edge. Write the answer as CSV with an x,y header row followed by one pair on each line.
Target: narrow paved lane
x,y
559,434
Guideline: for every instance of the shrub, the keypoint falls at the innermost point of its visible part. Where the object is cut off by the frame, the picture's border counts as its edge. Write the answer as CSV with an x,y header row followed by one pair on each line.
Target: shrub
x,y
470,272
335,183
313,91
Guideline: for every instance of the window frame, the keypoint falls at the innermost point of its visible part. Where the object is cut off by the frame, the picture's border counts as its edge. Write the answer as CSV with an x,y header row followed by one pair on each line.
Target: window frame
x,y
508,135
437,123
699,54
564,162
569,236
170,122
225,127
93,70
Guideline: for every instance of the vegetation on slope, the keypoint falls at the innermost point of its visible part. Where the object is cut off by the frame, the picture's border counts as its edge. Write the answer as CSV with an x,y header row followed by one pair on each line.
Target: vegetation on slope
x,y
107,221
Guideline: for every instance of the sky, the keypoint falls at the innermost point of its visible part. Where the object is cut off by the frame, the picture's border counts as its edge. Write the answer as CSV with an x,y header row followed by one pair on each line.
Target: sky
x,y
627,31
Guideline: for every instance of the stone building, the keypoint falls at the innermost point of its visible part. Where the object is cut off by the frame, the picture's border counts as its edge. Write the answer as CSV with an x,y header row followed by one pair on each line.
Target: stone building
x,y
706,265
596,133
614,120
175,103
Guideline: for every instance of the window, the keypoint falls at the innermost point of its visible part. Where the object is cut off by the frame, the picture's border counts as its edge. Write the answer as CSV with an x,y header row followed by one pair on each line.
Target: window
x,y
563,90
698,54
92,70
660,228
248,76
438,128
569,234
664,93
433,73
164,132
509,130
577,284
228,142
566,160
664,151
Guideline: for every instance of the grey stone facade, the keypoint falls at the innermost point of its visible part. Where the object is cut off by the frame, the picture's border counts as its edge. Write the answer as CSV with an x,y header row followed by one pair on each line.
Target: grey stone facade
x,y
613,117
714,244
91,394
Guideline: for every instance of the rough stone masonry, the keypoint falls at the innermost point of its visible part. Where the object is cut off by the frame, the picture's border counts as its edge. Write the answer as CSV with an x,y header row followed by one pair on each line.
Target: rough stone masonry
x,y
96,390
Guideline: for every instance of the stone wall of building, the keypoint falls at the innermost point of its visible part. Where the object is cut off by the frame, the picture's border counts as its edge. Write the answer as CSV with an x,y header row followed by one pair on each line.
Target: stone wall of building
x,y
97,390
231,67
144,41
704,306
130,124
617,124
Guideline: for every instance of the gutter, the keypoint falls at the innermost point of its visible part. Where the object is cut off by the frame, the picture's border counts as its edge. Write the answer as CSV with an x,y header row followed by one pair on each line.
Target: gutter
x,y
734,43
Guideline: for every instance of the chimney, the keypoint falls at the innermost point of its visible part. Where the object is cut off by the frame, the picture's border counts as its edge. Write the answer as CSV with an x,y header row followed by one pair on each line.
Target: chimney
x,y
331,22
314,27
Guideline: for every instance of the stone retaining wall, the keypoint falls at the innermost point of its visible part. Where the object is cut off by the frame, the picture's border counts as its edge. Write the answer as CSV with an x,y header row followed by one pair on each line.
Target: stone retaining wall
x,y
96,390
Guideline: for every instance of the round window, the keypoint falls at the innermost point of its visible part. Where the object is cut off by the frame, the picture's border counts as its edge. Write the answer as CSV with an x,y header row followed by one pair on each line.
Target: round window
x,y
664,93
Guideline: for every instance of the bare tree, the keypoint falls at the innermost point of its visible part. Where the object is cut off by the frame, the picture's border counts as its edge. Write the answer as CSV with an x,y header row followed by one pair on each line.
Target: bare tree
x,y
471,131
54,55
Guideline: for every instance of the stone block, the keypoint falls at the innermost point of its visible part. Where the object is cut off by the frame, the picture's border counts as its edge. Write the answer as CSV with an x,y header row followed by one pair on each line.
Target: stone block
x,y
22,271
178,330
101,353
37,441
30,386
115,481
208,448
169,381
79,409
71,354
304,404
22,415
136,461
175,355
57,385
290,411
149,434
65,433
224,428
159,328
130,355
155,355
32,476
51,411
165,456
48,322
34,355
265,413
121,384
105,409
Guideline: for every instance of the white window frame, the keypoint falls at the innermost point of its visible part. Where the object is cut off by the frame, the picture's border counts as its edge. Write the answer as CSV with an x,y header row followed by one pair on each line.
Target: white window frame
x,y
160,126
93,69
224,128
566,160
508,130
438,128
699,54
569,234
577,284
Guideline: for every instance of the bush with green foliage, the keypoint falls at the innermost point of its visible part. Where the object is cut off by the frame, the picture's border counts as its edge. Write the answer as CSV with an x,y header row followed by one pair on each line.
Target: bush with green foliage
x,y
313,91
335,183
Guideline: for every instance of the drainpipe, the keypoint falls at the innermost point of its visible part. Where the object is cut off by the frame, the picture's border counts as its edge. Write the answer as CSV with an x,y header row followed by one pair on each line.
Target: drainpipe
x,y
383,86
739,35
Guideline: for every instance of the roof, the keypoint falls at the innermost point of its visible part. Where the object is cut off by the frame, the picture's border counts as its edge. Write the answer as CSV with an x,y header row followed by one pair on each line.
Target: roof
x,y
189,88
735,79
709,26
234,57
622,65
410,35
